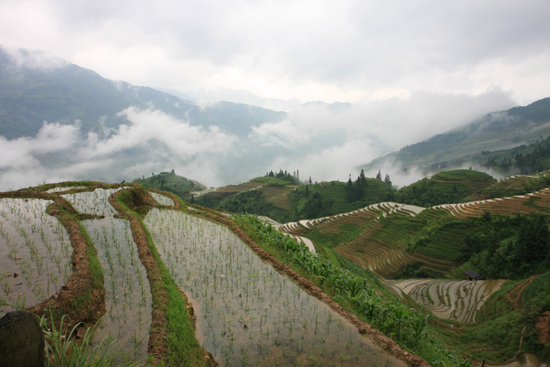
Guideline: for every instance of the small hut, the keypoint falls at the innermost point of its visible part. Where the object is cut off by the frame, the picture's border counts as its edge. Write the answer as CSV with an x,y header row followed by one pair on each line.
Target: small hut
x,y
472,275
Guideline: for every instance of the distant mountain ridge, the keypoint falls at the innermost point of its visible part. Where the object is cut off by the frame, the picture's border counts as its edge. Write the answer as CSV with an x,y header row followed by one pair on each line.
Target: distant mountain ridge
x,y
493,132
65,93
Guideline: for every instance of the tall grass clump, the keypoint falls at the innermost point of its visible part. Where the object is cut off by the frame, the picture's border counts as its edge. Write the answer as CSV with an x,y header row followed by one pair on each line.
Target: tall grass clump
x,y
62,350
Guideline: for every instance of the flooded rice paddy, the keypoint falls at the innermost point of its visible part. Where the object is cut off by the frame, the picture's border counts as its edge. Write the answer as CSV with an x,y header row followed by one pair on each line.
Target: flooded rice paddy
x,y
35,253
92,202
248,314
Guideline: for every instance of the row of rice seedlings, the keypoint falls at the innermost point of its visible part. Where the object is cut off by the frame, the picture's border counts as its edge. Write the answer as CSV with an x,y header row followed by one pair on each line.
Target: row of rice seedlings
x,y
128,299
65,188
161,199
35,253
92,202
248,313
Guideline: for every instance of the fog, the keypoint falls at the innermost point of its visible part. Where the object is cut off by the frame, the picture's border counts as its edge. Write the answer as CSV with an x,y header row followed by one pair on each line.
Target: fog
x,y
321,142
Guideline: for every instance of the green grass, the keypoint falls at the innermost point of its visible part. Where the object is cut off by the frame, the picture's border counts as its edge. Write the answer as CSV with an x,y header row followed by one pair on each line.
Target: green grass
x,y
462,175
65,350
347,233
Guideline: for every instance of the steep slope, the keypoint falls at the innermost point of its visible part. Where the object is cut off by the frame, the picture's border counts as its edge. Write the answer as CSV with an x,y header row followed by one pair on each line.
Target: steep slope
x,y
495,131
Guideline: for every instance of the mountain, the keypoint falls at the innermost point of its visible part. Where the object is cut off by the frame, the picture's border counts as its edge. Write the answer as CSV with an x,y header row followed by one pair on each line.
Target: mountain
x,y
236,96
36,87
458,148
61,122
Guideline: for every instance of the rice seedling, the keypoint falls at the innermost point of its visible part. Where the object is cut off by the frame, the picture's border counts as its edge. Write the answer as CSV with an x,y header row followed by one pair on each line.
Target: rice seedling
x,y
93,202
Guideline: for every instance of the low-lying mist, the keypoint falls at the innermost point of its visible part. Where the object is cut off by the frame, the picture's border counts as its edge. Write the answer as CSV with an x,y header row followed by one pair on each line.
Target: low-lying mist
x,y
324,143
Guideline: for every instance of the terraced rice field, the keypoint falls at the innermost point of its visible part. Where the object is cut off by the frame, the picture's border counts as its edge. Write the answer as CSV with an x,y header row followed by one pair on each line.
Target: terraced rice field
x,y
380,246
537,202
162,199
449,299
249,314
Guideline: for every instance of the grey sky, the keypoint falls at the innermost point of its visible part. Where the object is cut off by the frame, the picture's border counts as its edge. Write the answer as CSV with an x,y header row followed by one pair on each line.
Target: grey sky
x,y
312,49
412,69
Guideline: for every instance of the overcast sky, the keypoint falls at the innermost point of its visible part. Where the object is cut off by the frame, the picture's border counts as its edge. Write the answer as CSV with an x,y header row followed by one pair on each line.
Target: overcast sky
x,y
412,69
311,50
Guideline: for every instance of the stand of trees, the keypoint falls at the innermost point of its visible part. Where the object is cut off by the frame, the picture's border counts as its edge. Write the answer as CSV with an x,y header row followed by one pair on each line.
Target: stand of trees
x,y
356,191
293,178
509,247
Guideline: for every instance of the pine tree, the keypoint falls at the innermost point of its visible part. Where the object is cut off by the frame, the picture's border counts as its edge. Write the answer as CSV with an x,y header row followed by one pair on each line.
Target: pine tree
x,y
379,175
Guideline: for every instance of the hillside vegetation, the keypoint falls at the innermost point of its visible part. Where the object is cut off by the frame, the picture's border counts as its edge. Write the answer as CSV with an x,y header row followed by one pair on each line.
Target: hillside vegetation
x,y
444,188
284,198
500,238
169,181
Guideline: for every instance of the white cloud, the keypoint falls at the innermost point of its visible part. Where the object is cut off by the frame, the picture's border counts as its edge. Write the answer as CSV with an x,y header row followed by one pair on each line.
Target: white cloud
x,y
151,140
308,49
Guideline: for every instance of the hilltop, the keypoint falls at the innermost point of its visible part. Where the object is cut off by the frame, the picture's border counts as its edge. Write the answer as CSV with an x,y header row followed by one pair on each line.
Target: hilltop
x,y
171,182
283,197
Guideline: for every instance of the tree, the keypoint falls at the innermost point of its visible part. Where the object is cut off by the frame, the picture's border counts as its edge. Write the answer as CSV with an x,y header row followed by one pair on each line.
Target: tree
x,y
387,179
379,175
349,190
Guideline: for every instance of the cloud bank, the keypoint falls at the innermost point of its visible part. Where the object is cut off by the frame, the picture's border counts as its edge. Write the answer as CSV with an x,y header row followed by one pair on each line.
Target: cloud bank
x,y
322,142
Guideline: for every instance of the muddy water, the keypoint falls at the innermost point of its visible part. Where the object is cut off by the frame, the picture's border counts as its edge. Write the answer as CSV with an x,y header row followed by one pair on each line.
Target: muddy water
x,y
248,313
35,253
